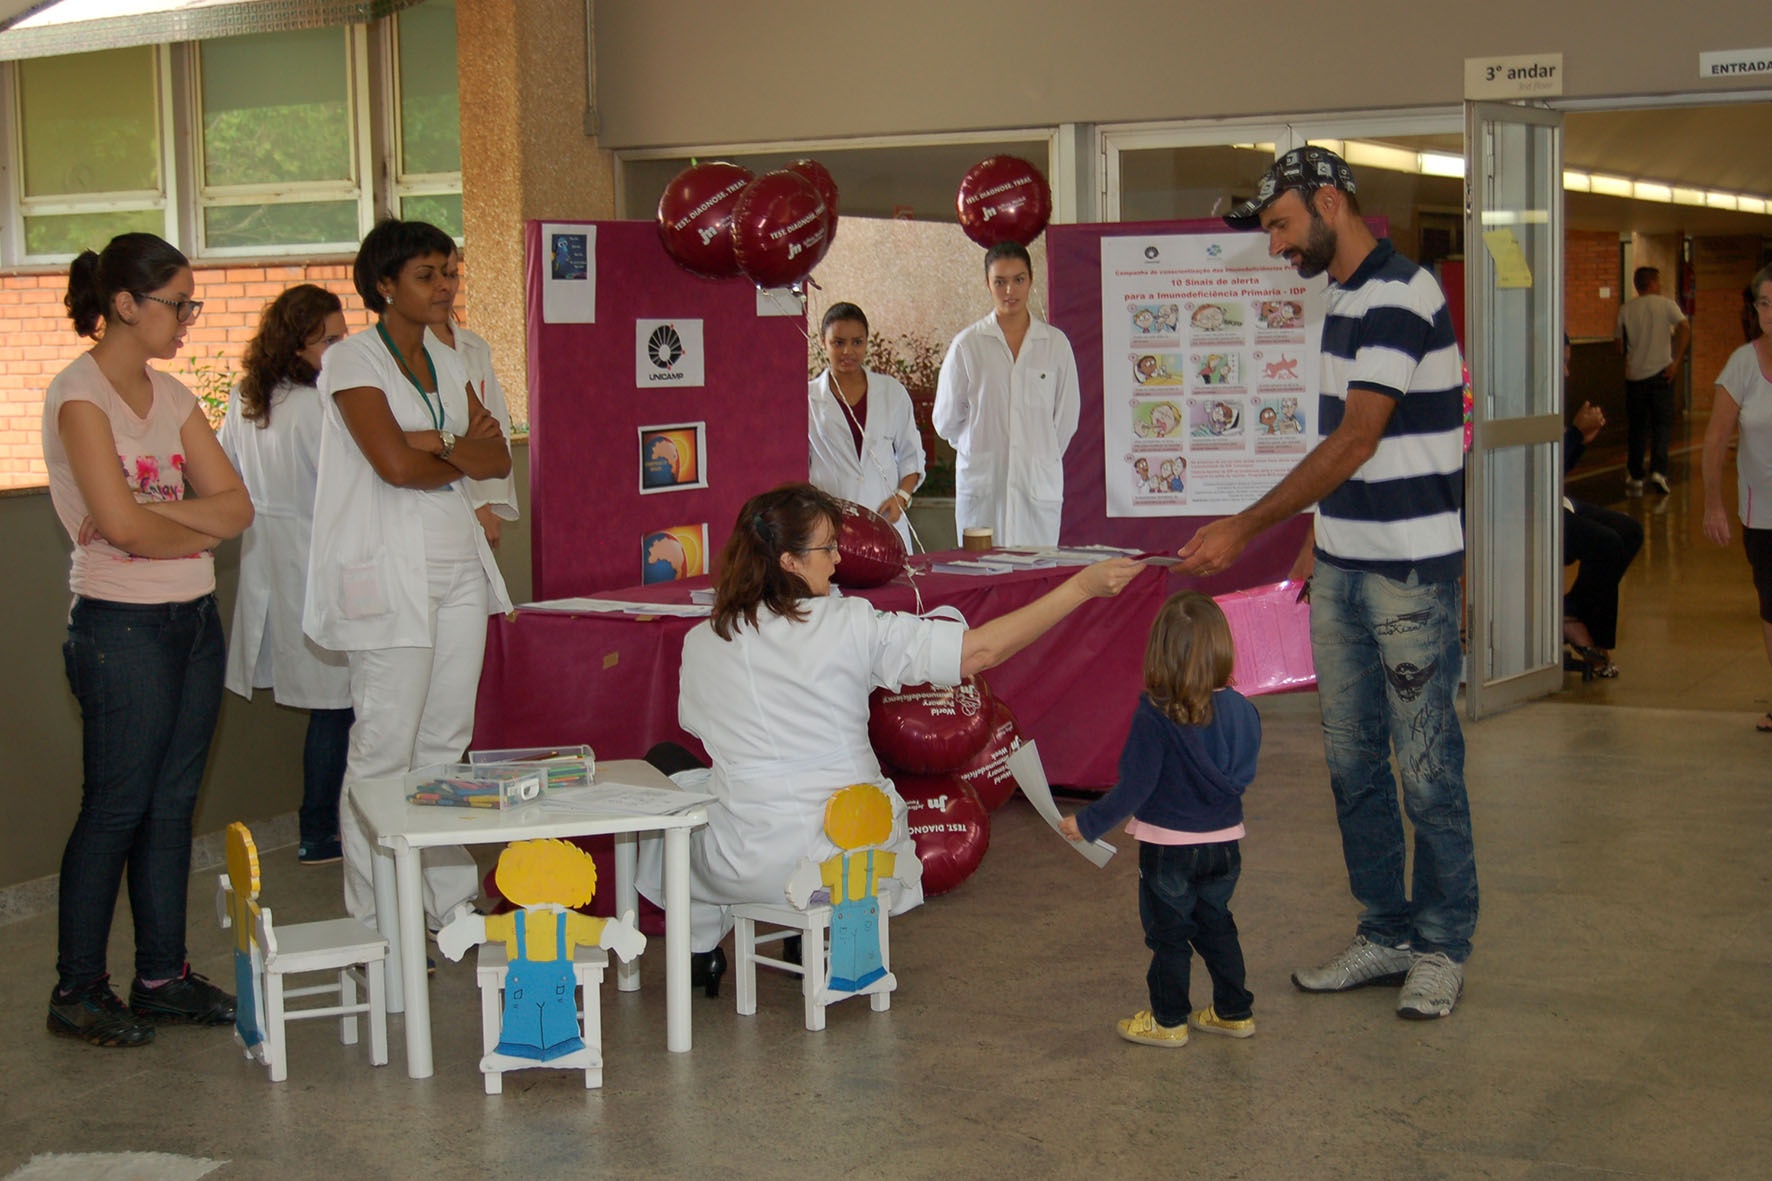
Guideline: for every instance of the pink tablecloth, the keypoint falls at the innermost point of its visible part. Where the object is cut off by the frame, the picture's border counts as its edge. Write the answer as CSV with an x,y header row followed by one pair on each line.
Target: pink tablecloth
x,y
611,680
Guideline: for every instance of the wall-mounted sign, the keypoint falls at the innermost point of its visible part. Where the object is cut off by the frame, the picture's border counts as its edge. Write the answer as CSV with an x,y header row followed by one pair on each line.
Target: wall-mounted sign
x,y
1531,75
1731,63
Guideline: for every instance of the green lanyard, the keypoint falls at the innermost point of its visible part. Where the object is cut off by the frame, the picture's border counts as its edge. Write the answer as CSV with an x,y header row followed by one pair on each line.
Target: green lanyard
x,y
435,412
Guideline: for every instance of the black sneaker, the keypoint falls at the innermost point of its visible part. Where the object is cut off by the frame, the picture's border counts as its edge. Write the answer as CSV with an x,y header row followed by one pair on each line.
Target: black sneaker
x,y
320,852
189,1000
96,1016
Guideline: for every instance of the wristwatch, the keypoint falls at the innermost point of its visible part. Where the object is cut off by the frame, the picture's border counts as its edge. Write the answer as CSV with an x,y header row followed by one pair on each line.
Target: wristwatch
x,y
448,444
902,495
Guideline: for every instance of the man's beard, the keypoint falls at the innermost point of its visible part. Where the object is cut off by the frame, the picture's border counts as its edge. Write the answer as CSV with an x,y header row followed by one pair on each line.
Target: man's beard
x,y
1318,250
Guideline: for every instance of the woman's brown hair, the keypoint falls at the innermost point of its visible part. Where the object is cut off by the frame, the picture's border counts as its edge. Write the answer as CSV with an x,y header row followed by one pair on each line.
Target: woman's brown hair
x,y
1188,657
273,356
780,521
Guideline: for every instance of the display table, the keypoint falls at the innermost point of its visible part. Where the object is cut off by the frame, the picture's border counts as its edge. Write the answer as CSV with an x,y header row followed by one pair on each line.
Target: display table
x,y
611,680
399,832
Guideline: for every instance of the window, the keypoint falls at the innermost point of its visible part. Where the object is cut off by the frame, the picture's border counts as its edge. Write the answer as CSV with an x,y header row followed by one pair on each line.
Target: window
x,y
255,144
277,144
427,172
91,155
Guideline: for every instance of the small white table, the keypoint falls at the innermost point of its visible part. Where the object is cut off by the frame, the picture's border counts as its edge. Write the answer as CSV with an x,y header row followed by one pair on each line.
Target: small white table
x,y
400,831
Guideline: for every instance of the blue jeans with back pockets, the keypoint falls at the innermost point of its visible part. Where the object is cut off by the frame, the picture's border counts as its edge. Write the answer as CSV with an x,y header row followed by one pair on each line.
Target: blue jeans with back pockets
x,y
149,681
1388,660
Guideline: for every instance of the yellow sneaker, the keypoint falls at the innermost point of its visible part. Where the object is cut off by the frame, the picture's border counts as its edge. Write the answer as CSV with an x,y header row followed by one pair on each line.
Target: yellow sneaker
x,y
1142,1028
1207,1020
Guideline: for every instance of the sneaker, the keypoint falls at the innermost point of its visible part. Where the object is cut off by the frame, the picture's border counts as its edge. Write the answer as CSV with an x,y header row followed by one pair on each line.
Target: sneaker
x,y
323,852
1432,987
189,1000
1658,482
1207,1020
96,1016
1633,486
1364,962
1142,1028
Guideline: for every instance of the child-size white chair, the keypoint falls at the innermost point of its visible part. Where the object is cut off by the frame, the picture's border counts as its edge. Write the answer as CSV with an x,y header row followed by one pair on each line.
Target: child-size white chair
x,y
813,926
264,953
491,968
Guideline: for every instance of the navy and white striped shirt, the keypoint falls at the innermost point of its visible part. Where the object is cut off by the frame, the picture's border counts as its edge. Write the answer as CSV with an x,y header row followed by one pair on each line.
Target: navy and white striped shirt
x,y
1387,330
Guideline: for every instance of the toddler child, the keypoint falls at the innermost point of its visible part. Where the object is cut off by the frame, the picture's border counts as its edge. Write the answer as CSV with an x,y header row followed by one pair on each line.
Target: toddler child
x,y
1191,752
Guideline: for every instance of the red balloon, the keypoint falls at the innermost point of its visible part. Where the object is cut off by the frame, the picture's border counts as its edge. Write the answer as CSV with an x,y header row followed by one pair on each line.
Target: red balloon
x,y
780,229
872,550
987,772
1004,199
695,217
949,827
930,730
822,180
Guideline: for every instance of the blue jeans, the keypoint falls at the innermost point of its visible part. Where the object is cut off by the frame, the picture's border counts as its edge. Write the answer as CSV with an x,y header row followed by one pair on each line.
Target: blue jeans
x,y
1388,658
149,681
1184,898
323,757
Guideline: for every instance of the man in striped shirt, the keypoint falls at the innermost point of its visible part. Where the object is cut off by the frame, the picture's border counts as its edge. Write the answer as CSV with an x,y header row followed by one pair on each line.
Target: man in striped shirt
x,y
1383,566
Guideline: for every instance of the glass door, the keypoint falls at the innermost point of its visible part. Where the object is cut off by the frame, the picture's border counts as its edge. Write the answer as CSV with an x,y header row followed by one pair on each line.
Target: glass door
x,y
1514,477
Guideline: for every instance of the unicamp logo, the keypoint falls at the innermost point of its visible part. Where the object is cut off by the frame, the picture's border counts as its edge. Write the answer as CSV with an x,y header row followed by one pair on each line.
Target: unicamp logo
x,y
664,347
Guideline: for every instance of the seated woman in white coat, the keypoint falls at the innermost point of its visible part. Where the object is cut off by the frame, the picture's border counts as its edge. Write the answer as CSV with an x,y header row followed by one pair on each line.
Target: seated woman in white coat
x,y
272,435
776,687
400,577
864,442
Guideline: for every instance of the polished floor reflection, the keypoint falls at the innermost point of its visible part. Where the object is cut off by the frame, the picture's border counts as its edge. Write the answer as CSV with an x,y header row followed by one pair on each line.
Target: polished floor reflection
x,y
1614,1019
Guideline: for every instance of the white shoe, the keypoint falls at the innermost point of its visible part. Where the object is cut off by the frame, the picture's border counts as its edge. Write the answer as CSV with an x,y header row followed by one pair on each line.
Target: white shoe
x,y
1658,482
1363,962
1633,487
1432,989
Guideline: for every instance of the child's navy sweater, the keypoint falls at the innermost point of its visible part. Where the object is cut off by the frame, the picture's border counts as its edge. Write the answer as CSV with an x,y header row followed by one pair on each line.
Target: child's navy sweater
x,y
1186,778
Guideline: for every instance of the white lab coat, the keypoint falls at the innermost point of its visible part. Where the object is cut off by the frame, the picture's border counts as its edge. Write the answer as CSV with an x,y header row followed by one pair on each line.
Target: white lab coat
x,y
1010,420
783,711
278,461
891,447
368,584
476,357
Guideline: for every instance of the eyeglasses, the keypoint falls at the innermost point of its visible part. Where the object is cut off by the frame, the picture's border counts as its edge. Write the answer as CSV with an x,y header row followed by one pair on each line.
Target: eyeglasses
x,y
832,548
1764,304
185,309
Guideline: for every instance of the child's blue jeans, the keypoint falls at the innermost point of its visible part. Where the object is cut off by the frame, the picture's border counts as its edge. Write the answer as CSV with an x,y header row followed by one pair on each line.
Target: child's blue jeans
x,y
1184,897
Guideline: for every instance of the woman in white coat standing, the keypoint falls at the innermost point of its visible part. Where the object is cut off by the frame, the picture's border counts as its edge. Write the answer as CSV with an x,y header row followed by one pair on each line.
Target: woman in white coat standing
x,y
400,576
272,435
776,687
864,442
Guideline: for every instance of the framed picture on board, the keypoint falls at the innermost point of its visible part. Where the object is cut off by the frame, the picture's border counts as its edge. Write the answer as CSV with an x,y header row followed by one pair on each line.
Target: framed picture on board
x,y
673,458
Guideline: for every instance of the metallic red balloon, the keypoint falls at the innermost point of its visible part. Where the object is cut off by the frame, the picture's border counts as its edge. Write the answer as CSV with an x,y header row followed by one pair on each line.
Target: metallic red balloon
x,y
987,772
930,730
821,179
1004,199
780,229
872,550
949,827
695,217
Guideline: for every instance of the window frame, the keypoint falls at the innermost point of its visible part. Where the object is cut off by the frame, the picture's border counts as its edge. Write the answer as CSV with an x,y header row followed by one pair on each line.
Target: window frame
x,y
403,184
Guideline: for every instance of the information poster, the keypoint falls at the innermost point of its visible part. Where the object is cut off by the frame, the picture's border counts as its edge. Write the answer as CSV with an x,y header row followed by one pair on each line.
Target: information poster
x,y
1209,372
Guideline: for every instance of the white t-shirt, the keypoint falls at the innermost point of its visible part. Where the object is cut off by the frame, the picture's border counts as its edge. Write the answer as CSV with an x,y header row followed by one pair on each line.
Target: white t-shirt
x,y
1743,380
1646,325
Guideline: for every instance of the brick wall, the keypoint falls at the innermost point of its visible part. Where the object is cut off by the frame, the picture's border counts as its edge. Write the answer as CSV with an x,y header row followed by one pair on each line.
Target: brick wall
x,y
37,340
1590,282
1721,268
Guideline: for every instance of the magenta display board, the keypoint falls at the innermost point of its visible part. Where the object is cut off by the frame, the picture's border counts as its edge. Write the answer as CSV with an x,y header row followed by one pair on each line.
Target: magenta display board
x,y
600,490
1073,262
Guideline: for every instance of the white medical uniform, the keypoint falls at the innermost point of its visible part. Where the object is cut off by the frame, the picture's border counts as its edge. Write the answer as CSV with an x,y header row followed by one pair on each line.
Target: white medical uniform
x,y
890,445
402,580
1009,419
783,711
278,459
499,494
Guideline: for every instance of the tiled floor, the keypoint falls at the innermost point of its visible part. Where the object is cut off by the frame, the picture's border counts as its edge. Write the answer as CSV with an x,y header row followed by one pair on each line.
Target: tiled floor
x,y
1615,1020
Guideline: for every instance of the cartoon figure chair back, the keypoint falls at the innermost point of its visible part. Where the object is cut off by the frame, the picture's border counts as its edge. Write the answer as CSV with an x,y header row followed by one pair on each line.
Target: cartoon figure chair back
x,y
540,955
857,819
239,904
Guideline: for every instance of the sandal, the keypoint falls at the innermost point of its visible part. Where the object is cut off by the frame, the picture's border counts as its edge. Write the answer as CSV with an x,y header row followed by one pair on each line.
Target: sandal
x,y
1764,725
1590,663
